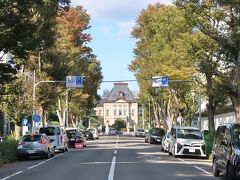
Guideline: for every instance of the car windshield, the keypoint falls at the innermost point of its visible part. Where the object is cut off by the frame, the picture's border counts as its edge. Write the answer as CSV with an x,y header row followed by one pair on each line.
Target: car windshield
x,y
49,131
236,134
31,138
189,134
158,132
140,130
71,133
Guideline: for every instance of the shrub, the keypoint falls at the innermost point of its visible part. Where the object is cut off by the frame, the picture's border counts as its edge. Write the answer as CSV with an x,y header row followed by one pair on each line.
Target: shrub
x,y
209,144
8,150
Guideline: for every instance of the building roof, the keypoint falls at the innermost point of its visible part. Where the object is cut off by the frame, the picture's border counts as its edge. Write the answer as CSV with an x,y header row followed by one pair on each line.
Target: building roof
x,y
120,91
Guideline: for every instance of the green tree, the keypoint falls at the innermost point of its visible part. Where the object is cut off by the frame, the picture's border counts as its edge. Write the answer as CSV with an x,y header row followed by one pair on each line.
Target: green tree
x,y
220,21
17,103
119,124
163,35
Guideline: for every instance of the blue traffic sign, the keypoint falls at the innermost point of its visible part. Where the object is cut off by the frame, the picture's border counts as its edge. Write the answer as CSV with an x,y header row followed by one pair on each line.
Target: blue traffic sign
x,y
36,118
74,81
164,81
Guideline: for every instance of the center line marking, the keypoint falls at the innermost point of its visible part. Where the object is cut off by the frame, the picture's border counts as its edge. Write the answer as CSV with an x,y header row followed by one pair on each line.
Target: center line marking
x,y
112,169
115,152
19,172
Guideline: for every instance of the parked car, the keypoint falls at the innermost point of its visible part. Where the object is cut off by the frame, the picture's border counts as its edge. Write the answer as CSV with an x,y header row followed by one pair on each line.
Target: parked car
x,y
165,142
92,134
186,141
155,135
112,132
58,134
35,145
75,135
226,150
140,133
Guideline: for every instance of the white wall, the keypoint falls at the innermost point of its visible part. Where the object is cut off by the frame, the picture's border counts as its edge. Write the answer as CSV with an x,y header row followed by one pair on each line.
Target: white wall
x,y
219,119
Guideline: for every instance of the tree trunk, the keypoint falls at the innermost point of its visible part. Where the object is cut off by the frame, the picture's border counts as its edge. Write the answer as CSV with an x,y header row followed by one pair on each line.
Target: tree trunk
x,y
235,97
211,112
18,131
236,106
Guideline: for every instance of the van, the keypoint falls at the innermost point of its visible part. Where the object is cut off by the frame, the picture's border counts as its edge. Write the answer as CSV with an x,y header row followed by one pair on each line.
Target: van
x,y
187,141
226,151
57,135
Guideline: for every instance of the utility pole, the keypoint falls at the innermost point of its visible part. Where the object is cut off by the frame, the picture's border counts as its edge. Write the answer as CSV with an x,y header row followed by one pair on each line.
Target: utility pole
x,y
67,108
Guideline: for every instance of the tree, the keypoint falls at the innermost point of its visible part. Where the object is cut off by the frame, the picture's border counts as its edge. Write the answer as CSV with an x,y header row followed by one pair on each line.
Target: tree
x,y
119,124
17,104
22,23
71,55
220,21
163,37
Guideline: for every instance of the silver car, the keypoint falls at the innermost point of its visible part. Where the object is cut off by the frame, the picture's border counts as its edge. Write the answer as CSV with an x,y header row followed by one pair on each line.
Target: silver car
x,y
186,141
35,145
165,142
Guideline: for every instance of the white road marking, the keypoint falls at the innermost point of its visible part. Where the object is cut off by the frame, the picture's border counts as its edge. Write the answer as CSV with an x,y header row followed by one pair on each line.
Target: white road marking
x,y
206,172
36,165
115,152
112,169
19,172
31,167
202,170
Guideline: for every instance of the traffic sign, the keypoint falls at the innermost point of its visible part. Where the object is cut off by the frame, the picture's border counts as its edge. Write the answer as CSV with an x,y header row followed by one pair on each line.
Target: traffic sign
x,y
159,81
74,81
25,121
36,117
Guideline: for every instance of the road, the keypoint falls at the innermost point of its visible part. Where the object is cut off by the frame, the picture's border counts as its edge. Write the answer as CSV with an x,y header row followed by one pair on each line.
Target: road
x,y
111,158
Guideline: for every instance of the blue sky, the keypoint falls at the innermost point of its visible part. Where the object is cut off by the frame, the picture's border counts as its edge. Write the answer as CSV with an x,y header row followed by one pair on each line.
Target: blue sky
x,y
111,24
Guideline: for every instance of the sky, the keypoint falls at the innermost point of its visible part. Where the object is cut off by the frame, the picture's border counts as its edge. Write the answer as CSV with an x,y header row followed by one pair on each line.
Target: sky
x,y
111,24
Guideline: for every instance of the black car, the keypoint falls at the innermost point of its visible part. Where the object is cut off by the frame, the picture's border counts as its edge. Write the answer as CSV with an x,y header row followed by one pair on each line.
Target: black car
x,y
155,135
75,135
226,150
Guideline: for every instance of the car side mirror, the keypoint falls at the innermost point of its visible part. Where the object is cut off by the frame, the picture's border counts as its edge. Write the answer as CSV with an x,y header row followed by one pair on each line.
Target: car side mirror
x,y
51,140
224,142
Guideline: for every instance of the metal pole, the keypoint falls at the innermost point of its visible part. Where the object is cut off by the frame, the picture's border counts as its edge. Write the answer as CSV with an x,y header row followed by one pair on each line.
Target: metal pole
x,y
200,111
149,113
34,94
143,119
66,122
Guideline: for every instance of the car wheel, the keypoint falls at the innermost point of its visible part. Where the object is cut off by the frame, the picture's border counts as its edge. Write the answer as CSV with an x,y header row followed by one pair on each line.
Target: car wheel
x,y
63,150
169,150
216,172
53,153
48,155
231,172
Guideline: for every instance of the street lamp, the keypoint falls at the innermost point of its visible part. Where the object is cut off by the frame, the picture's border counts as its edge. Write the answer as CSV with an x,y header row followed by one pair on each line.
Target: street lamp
x,y
149,113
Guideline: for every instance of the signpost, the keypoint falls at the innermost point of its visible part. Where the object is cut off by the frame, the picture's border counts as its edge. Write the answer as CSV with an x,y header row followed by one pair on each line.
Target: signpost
x,y
159,81
74,81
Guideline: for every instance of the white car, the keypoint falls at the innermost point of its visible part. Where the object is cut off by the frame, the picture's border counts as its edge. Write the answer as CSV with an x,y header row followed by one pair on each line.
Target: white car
x,y
140,133
58,135
187,141
112,132
165,142
94,133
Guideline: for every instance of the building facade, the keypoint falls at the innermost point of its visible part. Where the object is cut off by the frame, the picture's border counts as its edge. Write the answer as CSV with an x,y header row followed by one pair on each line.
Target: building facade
x,y
120,103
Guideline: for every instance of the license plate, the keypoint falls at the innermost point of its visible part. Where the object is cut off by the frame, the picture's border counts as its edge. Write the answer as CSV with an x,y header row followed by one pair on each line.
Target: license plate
x,y
158,140
31,151
192,150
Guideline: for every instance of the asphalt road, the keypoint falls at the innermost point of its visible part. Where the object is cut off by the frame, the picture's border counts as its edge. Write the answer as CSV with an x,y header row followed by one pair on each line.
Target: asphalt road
x,y
111,158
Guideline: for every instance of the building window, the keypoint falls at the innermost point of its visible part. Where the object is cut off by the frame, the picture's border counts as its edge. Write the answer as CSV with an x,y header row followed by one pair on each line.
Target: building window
x,y
124,112
100,112
115,112
120,112
133,112
107,113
